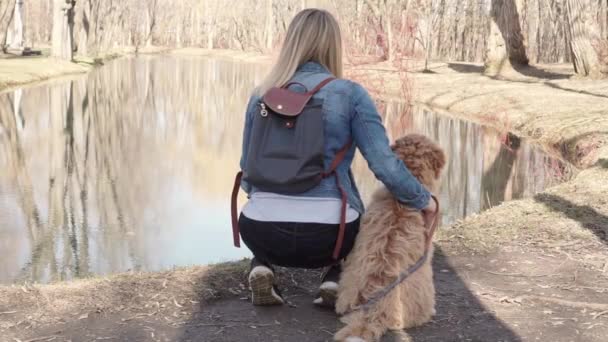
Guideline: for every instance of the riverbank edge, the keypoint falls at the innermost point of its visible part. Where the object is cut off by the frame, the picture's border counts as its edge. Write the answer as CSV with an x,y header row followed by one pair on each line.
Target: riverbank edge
x,y
17,71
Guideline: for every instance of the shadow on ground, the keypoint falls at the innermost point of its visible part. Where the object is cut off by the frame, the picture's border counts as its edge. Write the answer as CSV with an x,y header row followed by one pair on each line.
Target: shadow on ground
x,y
460,316
537,72
527,70
588,217
466,68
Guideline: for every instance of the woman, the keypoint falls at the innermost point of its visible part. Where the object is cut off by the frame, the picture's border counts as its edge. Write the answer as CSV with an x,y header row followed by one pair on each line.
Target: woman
x,y
300,230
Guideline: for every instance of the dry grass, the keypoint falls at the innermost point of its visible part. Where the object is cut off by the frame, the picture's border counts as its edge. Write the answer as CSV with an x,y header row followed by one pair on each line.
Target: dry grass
x,y
182,290
573,214
20,71
240,56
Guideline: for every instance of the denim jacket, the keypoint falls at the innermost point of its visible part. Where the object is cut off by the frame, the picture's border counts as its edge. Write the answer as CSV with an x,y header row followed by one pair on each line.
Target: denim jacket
x,y
349,113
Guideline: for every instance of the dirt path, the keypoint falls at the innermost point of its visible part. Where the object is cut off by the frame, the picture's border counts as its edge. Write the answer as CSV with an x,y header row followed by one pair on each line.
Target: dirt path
x,y
513,295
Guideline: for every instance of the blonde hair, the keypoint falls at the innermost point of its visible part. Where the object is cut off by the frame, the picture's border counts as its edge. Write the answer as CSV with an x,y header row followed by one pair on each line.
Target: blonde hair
x,y
313,35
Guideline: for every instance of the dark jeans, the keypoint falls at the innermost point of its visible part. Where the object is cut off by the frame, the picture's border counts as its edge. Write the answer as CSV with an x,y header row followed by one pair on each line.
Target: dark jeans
x,y
291,244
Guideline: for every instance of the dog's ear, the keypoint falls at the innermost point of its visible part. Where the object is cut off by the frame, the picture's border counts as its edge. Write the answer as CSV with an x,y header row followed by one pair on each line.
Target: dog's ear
x,y
422,156
437,159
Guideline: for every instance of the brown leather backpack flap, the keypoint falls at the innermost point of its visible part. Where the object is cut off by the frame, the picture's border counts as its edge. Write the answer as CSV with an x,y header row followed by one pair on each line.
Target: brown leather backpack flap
x,y
286,102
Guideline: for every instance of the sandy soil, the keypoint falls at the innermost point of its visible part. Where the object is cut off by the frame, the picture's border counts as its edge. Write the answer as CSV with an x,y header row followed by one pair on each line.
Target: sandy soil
x,y
527,270
511,295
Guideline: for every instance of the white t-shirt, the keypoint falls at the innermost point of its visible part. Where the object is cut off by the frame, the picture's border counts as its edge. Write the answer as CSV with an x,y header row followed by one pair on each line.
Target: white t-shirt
x,y
271,207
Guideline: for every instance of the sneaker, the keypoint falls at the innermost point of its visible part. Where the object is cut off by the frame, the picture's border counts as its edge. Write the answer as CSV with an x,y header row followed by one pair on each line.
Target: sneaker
x,y
328,291
261,283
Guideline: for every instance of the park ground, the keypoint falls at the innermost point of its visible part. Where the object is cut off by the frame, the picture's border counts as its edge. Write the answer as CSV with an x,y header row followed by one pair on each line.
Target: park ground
x,y
527,270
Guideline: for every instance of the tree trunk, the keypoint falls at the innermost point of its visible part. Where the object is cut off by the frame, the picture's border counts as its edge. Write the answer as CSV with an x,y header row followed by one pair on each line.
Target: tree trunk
x,y
7,10
583,32
210,34
151,8
603,19
388,27
269,26
358,10
441,15
16,33
83,25
429,37
506,46
63,26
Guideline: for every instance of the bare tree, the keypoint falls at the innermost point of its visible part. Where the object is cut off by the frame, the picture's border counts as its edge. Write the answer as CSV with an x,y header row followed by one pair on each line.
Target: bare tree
x,y
429,15
83,26
151,7
16,33
7,9
63,26
269,24
506,46
510,33
584,33
381,10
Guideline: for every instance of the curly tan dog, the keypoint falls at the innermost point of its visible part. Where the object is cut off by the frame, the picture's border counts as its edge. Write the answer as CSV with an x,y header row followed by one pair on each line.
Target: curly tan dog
x,y
391,239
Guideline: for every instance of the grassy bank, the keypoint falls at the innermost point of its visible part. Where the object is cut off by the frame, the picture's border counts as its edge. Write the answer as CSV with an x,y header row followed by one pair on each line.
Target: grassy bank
x,y
18,71
25,70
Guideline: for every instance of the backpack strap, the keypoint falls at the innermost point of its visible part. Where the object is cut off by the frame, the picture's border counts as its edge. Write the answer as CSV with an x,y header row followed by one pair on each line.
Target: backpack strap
x,y
340,155
432,227
233,213
320,85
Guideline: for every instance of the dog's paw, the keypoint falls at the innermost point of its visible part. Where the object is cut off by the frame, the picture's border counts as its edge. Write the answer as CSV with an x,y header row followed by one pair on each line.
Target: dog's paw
x,y
345,302
344,333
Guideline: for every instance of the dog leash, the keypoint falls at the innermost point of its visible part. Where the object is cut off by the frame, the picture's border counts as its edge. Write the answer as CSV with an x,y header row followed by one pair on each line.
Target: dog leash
x,y
429,232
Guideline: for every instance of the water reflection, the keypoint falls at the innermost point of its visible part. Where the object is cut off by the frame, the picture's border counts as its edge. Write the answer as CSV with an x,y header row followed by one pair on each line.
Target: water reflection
x,y
130,167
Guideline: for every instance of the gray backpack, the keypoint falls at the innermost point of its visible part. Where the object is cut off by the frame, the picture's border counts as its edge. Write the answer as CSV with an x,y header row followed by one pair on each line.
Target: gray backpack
x,y
286,149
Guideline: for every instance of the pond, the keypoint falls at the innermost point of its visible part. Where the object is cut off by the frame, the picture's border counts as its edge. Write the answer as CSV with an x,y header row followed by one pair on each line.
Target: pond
x,y
130,167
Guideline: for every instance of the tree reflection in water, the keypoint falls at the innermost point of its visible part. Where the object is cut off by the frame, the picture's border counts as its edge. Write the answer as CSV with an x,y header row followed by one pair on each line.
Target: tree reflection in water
x,y
131,166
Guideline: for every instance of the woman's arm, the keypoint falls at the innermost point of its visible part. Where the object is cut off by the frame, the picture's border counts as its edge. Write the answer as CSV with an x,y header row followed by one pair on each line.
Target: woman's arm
x,y
370,136
246,136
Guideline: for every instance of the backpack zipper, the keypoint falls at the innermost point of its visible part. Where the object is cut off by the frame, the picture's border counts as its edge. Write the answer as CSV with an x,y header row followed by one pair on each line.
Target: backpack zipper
x,y
263,112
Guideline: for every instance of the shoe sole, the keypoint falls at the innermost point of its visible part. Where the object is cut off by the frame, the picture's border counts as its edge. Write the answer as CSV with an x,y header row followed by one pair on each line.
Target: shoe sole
x,y
261,282
328,294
